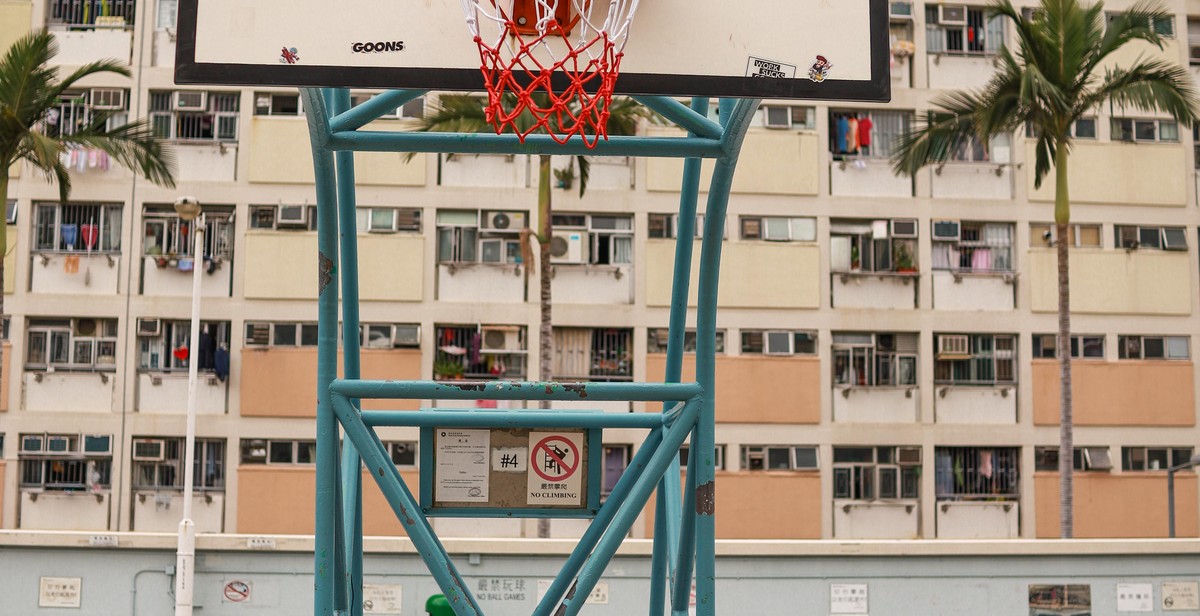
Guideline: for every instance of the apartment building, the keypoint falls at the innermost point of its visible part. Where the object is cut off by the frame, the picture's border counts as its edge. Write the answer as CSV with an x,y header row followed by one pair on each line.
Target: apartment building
x,y
886,346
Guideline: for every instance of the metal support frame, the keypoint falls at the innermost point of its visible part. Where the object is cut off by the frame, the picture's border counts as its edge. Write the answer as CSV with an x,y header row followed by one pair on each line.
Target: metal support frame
x,y
684,523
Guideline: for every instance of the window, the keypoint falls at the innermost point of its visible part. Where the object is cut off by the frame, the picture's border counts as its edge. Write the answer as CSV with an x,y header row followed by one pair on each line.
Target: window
x,y
463,239
1130,129
404,453
76,227
870,473
165,233
667,225
280,334
792,117
977,473
778,229
1083,459
194,115
958,29
867,134
1138,237
264,451
83,344
593,239
388,219
1082,346
975,359
414,109
271,103
1154,458
168,350
873,245
718,457
158,463
657,340
66,462
974,247
76,110
598,354
1082,128
875,360
479,352
294,217
998,150
10,212
616,460
1078,235
1153,347
90,14
778,458
390,335
779,342
1162,26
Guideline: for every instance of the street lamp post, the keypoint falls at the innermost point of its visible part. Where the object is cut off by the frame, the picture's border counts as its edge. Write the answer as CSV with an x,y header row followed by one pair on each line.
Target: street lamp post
x,y
1195,461
188,209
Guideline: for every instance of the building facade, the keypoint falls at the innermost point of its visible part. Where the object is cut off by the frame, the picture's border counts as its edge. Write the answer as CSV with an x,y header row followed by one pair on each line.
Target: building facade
x,y
886,364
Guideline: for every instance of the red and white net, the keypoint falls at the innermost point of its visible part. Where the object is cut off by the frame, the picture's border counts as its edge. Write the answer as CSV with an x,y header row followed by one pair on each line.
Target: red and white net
x,y
550,65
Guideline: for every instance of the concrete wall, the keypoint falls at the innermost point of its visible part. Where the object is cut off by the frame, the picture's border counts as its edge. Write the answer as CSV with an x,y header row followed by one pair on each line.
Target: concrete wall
x,y
170,394
794,513
977,520
897,292
773,162
973,291
64,510
592,284
950,72
207,163
282,499
867,177
283,265
78,47
1115,281
876,520
159,512
1120,393
1151,174
481,283
282,382
85,392
273,141
757,389
172,282
753,274
90,275
1118,505
876,404
973,181
967,404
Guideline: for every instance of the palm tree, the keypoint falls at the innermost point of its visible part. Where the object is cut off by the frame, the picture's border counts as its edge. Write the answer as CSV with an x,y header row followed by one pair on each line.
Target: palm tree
x,y
1053,76
461,113
29,131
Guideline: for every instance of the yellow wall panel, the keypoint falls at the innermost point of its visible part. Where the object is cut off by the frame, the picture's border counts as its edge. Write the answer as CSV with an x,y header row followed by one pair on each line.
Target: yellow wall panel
x,y
15,20
1115,281
771,162
753,274
1150,174
281,265
269,137
390,267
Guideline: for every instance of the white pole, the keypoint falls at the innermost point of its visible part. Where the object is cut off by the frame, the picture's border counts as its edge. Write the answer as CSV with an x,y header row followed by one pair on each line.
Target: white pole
x,y
186,555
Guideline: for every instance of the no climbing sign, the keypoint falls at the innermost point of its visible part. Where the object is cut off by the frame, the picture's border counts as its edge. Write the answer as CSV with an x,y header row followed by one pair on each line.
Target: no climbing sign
x,y
555,459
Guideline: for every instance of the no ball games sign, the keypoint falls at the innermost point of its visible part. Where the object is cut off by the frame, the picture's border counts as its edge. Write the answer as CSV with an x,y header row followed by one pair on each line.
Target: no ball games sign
x,y
555,461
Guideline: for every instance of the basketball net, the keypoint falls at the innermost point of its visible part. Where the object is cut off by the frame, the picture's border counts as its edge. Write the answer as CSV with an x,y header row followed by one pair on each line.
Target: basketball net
x,y
524,44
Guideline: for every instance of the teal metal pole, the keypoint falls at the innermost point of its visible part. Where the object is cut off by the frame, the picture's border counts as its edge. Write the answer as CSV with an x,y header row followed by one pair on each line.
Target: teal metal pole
x,y
347,118
486,143
667,510
327,502
517,390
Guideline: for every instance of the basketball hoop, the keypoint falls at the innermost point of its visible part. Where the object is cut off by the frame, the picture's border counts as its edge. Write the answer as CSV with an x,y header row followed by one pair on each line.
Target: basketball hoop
x,y
523,43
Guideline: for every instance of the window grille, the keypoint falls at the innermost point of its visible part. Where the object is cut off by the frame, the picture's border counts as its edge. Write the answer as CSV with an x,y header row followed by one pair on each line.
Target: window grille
x,y
87,13
208,469
977,473
72,227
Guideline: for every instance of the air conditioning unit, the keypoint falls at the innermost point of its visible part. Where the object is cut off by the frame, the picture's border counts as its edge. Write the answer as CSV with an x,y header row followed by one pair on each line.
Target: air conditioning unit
x,y
108,98
189,100
85,327
505,221
946,231
900,11
292,216
953,346
406,335
499,339
149,450
777,117
952,15
904,228
908,455
568,247
149,327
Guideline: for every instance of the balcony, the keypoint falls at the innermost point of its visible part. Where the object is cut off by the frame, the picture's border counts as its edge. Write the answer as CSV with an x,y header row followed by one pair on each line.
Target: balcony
x,y
605,173
75,273
1125,505
753,274
488,171
954,290
867,177
1151,282
978,520
1162,392
902,71
976,404
483,283
70,392
1151,174
881,290
280,382
170,281
64,510
974,181
876,520
77,47
159,512
876,404
167,393
593,284
208,162
957,72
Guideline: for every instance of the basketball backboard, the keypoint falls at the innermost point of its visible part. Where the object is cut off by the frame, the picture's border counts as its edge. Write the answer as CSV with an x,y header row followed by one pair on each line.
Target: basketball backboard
x,y
749,49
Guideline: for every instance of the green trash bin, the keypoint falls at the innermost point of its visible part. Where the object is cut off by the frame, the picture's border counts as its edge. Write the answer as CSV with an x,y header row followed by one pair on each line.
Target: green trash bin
x,y
437,605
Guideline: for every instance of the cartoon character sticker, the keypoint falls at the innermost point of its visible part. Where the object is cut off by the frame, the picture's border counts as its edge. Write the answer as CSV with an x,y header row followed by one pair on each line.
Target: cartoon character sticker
x,y
289,55
819,69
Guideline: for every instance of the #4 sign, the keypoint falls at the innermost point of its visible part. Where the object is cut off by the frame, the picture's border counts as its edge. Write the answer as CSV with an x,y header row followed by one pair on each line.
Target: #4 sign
x,y
555,459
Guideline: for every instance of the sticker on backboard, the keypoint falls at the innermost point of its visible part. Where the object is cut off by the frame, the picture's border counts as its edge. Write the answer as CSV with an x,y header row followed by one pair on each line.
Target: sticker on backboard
x,y
819,70
462,465
289,55
761,67
555,459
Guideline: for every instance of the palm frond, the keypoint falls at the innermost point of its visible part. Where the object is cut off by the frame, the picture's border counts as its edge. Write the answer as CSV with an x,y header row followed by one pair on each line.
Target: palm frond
x,y
134,145
1148,85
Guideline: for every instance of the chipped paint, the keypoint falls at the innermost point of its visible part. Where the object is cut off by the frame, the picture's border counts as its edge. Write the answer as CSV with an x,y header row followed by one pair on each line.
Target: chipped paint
x,y
468,385
706,498
325,273
579,389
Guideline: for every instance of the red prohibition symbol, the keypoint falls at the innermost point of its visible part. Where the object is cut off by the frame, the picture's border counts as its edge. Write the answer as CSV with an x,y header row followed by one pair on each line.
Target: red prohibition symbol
x,y
556,458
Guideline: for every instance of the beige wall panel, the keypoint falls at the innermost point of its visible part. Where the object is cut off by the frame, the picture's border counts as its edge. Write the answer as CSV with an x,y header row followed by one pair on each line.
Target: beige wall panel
x,y
283,382
753,274
780,505
281,265
1150,174
270,137
1115,281
1116,506
1124,393
390,267
772,162
1141,50
282,500
755,389
15,18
